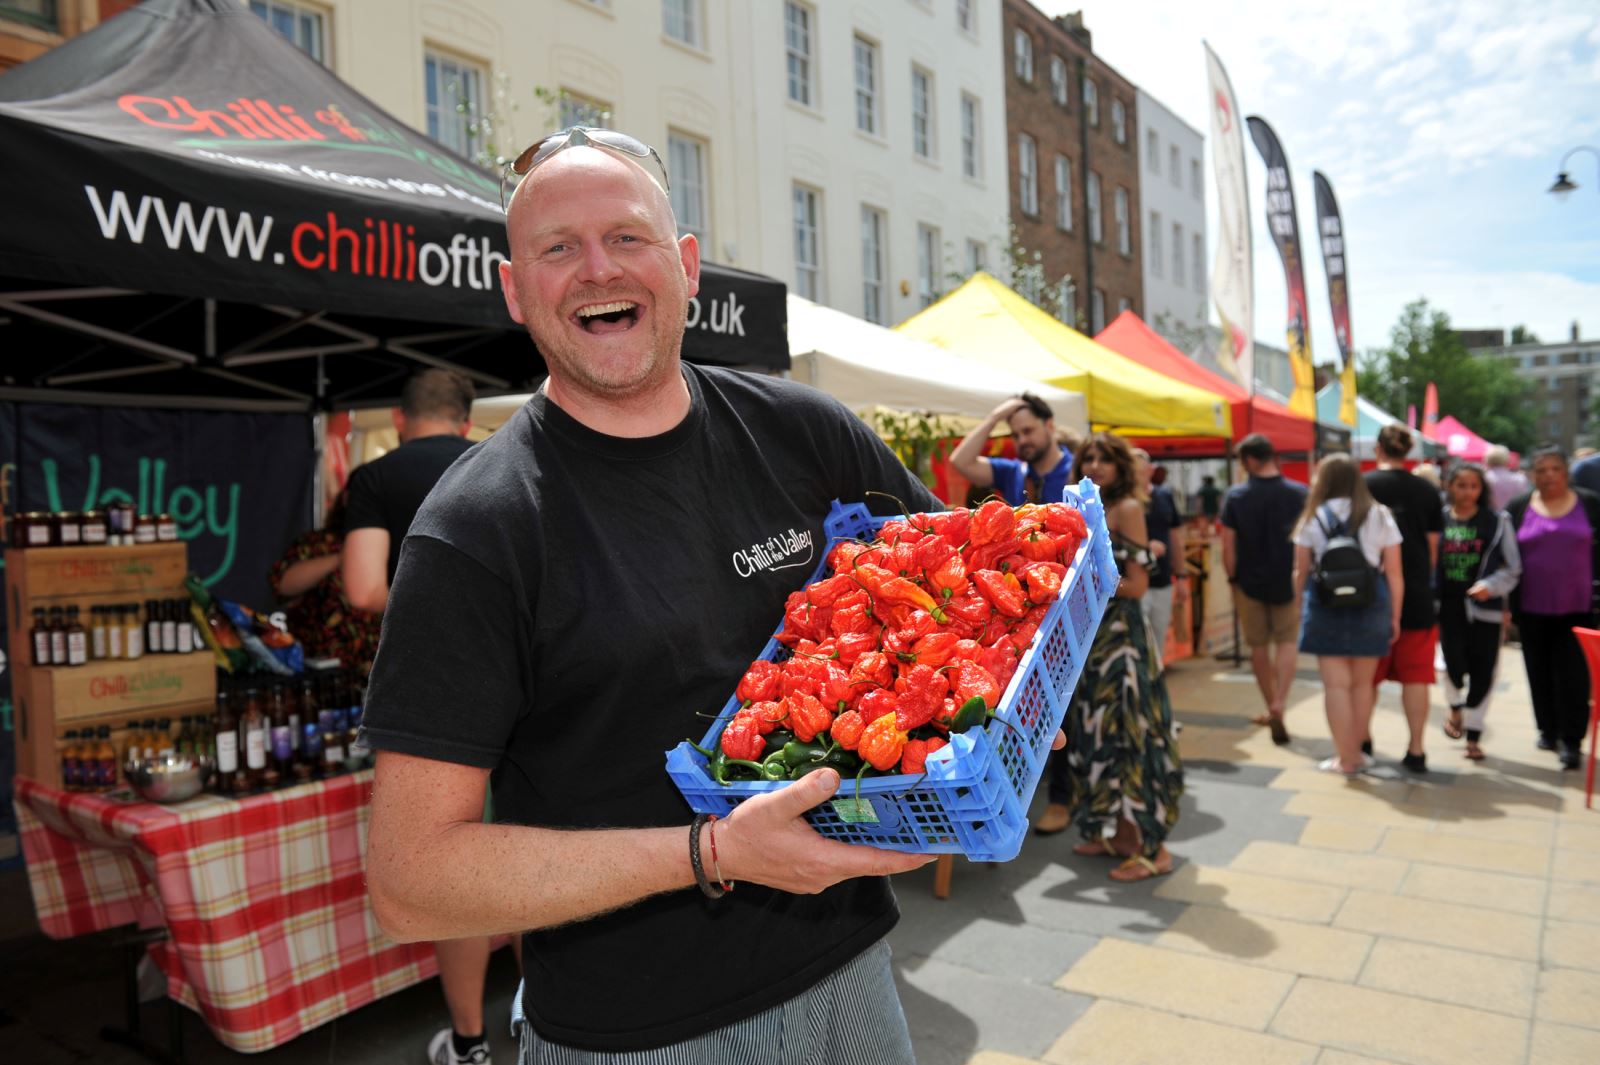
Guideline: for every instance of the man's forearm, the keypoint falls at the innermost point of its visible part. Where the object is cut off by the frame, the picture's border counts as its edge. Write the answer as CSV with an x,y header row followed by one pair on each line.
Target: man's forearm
x,y
520,878
967,458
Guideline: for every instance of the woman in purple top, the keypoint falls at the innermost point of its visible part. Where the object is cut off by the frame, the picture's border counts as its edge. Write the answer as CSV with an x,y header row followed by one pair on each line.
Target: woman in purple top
x,y
1558,533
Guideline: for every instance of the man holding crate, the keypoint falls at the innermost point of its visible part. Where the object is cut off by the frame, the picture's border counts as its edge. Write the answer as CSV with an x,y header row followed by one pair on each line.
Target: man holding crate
x,y
577,590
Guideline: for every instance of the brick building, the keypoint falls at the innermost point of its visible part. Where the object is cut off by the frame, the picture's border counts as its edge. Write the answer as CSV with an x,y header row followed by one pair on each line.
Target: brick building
x,y
29,28
1072,146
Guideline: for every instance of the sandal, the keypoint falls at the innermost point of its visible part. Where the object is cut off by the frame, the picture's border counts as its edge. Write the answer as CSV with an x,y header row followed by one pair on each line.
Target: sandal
x,y
1137,867
1100,848
1452,725
1475,753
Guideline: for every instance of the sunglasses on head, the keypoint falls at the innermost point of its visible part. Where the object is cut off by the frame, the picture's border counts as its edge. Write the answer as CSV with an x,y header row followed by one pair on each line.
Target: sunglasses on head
x,y
571,137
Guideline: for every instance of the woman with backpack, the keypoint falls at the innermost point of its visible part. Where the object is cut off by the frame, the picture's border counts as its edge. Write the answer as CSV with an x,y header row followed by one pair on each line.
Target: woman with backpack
x,y
1347,568
1479,565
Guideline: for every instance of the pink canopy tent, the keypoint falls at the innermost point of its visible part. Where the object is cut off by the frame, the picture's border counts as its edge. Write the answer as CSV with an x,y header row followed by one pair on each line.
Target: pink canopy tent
x,y
1461,442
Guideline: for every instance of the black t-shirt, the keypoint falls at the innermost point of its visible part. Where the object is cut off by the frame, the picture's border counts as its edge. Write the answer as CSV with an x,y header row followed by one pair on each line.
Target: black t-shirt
x,y
1262,512
386,492
1160,518
1417,510
1461,550
570,606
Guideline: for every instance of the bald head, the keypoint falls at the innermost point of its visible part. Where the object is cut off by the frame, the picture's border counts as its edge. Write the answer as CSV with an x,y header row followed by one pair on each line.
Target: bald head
x,y
583,169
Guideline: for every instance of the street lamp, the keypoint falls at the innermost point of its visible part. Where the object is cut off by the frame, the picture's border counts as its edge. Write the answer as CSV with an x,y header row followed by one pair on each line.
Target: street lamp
x,y
1564,185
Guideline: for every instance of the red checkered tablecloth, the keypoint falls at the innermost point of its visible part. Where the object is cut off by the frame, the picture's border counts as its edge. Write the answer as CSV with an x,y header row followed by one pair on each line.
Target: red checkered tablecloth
x,y
264,899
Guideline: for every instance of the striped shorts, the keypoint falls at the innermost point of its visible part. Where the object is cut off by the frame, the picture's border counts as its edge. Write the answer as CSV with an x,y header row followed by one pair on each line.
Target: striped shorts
x,y
852,1017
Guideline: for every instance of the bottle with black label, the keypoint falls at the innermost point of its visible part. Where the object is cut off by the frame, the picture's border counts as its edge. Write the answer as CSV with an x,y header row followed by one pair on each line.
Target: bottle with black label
x,y
77,639
152,627
58,637
39,638
282,732
169,627
188,639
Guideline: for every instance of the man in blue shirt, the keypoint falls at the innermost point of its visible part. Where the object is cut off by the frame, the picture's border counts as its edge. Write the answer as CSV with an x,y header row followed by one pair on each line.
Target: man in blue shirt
x,y
1039,472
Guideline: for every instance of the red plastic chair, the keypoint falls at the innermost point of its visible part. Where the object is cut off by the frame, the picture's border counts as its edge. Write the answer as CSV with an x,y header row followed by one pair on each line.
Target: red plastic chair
x,y
1589,640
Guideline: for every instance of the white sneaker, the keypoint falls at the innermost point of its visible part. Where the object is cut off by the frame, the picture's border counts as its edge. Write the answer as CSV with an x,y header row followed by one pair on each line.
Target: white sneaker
x,y
442,1051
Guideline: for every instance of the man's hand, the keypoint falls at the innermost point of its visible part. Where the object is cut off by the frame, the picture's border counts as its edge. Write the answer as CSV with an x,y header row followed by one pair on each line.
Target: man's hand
x,y
1005,410
766,840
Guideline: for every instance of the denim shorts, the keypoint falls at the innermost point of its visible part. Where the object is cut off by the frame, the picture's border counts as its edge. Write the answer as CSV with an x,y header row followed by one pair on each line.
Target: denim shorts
x,y
1345,632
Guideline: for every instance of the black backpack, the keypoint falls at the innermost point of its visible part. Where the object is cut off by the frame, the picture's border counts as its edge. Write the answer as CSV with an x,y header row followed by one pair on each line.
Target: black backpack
x,y
1343,577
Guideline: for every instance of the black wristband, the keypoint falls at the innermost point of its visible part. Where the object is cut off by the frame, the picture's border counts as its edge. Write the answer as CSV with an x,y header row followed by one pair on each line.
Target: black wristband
x,y
707,888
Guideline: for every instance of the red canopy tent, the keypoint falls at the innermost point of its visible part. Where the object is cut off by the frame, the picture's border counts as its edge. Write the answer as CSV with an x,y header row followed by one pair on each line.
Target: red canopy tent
x,y
1290,434
1461,442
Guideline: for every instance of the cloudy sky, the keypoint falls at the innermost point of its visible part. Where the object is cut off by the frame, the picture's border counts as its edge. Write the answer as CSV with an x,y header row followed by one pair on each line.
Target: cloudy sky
x,y
1440,124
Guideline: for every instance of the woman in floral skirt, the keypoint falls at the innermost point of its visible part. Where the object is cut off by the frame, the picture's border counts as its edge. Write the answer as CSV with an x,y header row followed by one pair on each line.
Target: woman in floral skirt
x,y
1125,777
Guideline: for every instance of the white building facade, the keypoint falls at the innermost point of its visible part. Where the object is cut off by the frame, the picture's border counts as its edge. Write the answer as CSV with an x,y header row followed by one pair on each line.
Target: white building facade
x,y
854,149
1172,196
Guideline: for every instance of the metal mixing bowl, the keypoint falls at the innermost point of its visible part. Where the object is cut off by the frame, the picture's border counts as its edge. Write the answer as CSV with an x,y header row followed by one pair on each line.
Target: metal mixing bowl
x,y
172,778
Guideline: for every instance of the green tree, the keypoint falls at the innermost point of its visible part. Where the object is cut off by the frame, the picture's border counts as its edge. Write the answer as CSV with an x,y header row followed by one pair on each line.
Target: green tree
x,y
1521,334
1482,392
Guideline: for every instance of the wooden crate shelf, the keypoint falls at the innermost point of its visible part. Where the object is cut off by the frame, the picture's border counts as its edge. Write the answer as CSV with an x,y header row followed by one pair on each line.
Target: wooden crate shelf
x,y
51,699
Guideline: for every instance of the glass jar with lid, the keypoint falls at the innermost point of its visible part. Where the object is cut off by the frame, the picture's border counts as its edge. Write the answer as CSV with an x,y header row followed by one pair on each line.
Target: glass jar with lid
x,y
166,528
69,525
95,528
144,529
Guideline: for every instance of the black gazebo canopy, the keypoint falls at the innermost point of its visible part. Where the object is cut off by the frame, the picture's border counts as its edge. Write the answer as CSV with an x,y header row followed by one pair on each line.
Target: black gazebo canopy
x,y
196,211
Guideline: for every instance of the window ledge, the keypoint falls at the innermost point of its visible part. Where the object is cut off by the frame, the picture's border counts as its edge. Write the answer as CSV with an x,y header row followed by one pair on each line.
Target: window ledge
x,y
929,161
975,182
688,49
804,109
602,8
875,139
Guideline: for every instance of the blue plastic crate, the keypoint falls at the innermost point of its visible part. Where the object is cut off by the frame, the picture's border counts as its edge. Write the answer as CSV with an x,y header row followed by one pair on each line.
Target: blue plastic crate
x,y
974,797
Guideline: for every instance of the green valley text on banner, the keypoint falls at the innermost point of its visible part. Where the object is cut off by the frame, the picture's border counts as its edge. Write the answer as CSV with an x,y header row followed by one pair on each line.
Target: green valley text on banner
x,y
1330,229
1232,272
1284,225
238,485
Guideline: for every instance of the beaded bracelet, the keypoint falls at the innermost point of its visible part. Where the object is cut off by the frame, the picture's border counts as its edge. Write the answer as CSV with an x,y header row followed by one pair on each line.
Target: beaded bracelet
x,y
707,888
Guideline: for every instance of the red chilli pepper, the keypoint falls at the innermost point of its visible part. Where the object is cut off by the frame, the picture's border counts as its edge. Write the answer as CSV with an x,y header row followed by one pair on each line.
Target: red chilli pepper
x,y
882,743
807,716
973,680
742,737
847,729
1002,590
888,587
993,522
760,682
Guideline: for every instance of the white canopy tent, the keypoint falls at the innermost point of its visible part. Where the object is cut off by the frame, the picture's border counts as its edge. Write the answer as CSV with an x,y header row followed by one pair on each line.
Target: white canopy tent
x,y
862,365
865,366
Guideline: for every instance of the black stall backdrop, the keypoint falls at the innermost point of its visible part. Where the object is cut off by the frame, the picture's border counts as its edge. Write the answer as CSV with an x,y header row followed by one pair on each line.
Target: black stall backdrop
x,y
239,485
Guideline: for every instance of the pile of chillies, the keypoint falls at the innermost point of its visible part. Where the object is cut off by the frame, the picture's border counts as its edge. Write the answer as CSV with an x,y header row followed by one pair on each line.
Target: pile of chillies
x,y
910,638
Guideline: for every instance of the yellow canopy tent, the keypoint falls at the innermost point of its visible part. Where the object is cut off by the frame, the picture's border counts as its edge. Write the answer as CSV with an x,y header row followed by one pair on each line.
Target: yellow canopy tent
x,y
986,322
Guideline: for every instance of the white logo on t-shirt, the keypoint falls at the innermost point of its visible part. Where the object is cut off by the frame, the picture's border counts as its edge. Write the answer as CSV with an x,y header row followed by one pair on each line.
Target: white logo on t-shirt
x,y
786,550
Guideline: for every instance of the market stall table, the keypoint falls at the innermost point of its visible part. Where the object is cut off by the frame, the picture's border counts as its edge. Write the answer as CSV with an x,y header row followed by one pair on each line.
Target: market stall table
x,y
269,933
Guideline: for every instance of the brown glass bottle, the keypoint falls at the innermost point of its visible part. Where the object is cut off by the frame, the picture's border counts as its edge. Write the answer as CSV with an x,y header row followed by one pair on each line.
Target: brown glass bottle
x,y
39,638
253,737
77,639
105,760
282,733
58,637
225,725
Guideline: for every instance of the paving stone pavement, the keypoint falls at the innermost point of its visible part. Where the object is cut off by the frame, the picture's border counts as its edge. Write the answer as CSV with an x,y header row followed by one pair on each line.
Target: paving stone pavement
x,y
1452,918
